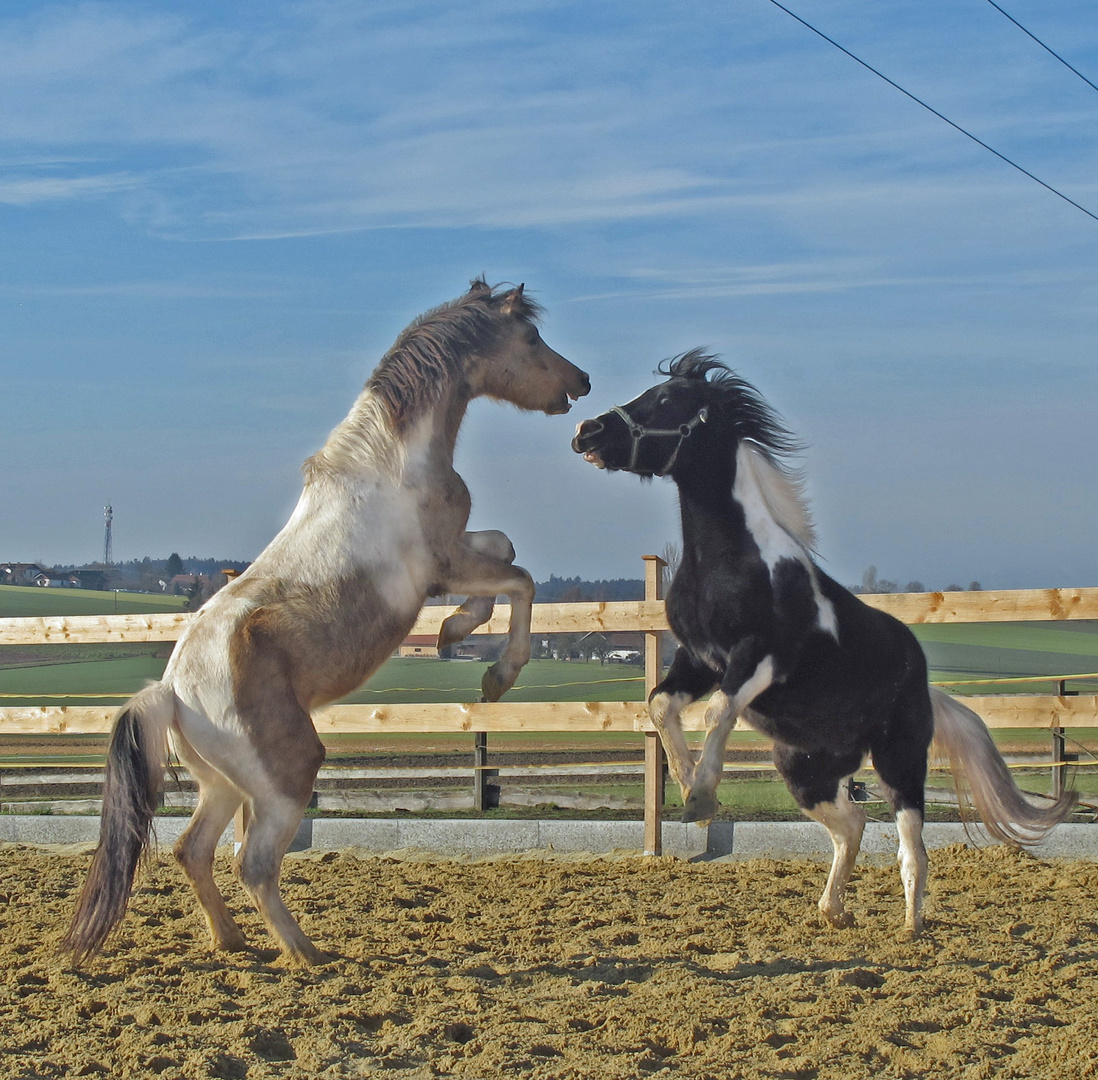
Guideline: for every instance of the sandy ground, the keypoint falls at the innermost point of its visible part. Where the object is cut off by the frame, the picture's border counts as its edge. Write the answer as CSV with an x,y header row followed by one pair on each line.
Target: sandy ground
x,y
600,968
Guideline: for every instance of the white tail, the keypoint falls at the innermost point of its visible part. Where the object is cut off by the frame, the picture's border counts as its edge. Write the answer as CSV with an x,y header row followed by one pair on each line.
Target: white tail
x,y
978,766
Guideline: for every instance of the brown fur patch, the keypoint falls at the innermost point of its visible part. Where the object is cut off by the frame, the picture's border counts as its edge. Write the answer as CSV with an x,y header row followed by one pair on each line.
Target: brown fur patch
x,y
300,649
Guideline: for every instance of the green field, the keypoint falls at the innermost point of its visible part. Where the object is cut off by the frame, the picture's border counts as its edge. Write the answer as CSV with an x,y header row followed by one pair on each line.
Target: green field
x,y
961,652
63,674
17,601
1031,657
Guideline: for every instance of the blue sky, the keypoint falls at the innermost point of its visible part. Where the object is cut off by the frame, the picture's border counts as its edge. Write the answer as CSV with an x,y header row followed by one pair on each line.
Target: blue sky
x,y
215,218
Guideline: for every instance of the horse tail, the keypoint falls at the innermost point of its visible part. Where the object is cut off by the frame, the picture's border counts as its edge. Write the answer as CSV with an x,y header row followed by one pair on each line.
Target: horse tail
x,y
136,760
978,766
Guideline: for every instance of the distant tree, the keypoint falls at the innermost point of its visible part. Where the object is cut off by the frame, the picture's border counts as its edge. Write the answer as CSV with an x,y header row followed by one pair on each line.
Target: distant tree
x,y
954,588
597,646
869,580
914,586
673,557
975,586
173,566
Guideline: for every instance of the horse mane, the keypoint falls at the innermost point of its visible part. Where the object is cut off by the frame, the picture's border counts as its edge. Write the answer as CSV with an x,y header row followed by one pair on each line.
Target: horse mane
x,y
417,371
782,489
415,375
761,432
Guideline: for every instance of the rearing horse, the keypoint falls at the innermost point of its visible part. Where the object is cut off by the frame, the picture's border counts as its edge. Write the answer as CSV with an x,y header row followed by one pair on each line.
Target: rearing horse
x,y
379,527
828,678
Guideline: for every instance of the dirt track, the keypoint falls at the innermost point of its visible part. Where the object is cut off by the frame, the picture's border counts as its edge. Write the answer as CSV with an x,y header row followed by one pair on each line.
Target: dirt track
x,y
597,968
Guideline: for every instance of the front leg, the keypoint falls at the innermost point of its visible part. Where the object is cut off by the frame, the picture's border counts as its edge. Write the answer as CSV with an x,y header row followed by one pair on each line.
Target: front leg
x,y
687,680
750,671
476,610
475,571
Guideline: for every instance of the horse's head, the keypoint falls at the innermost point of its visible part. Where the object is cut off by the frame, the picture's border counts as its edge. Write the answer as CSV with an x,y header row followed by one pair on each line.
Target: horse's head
x,y
655,432
515,365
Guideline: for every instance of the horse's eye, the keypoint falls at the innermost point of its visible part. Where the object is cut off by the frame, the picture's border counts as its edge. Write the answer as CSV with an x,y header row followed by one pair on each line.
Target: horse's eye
x,y
664,401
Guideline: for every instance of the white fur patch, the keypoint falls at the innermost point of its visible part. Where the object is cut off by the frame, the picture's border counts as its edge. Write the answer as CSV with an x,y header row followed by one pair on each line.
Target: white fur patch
x,y
778,520
346,524
756,683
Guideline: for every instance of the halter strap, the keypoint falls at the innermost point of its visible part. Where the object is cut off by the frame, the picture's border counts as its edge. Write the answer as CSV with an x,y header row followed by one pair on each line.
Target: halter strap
x,y
639,431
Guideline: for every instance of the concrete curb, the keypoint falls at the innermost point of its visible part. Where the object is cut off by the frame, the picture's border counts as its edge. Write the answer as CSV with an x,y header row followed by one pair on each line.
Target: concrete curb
x,y
721,840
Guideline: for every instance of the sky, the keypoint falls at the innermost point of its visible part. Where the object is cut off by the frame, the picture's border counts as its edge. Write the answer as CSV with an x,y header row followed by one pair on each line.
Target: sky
x,y
215,219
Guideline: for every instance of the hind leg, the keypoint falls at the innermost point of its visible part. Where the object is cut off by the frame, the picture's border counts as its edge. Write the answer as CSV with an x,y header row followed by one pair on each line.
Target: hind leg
x,y
275,818
194,850
913,868
901,765
820,785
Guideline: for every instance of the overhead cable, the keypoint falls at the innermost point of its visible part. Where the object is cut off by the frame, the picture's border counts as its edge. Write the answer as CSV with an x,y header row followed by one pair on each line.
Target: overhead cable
x,y
931,109
1042,44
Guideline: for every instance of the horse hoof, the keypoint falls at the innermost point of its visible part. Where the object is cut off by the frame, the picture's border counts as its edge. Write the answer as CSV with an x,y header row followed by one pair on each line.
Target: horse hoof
x,y
842,920
700,806
235,944
447,635
494,684
306,957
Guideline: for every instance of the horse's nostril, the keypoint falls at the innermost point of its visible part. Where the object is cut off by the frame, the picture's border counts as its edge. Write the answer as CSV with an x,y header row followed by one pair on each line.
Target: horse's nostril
x,y
585,429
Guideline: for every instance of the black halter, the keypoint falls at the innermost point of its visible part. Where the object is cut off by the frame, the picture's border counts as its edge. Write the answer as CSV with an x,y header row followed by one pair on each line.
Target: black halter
x,y
639,431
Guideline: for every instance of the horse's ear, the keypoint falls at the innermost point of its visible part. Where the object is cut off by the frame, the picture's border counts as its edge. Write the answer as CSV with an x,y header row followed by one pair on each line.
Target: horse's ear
x,y
479,285
512,302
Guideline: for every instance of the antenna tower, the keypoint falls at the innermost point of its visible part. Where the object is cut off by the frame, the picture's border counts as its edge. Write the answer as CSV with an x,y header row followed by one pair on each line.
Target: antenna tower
x,y
108,517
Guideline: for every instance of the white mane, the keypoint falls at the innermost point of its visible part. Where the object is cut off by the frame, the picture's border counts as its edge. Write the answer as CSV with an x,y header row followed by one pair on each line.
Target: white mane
x,y
363,442
783,493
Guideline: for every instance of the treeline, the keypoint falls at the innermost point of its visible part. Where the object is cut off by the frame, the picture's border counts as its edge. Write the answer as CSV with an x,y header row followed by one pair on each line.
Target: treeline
x,y
871,583
573,590
157,575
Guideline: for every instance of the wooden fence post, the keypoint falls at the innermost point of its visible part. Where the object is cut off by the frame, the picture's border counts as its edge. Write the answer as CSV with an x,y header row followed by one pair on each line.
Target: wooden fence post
x,y
480,770
1059,747
655,763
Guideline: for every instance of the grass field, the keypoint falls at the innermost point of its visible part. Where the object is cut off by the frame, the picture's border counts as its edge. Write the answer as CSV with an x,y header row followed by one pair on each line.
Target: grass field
x,y
17,601
61,674
961,652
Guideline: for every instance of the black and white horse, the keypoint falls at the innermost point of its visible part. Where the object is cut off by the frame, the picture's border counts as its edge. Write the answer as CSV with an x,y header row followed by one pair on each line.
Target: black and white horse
x,y
802,660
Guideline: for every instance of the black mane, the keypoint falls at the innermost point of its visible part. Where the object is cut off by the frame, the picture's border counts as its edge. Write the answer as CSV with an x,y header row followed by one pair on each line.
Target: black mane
x,y
736,400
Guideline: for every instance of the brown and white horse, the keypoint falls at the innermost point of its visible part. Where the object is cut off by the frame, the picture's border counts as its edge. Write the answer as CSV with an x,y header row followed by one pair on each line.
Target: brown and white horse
x,y
379,527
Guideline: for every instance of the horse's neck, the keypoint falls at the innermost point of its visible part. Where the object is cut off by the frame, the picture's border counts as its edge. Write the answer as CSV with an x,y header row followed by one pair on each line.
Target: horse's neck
x,y
365,446
761,508
714,528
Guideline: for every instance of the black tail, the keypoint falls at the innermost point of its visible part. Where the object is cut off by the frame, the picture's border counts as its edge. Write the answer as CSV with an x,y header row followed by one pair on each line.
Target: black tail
x,y
1006,813
131,789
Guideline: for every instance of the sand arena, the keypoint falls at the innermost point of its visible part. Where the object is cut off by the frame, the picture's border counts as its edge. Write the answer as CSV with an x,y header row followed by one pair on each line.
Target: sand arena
x,y
570,967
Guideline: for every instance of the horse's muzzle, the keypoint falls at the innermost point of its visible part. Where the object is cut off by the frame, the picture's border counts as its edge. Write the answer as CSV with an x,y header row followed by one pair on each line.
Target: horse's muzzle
x,y
587,432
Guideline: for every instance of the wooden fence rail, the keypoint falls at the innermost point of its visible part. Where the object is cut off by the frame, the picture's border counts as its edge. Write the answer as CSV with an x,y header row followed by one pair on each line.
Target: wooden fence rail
x,y
1050,712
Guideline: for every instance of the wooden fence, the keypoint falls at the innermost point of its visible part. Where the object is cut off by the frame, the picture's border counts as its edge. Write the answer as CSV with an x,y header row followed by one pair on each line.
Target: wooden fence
x,y
1051,712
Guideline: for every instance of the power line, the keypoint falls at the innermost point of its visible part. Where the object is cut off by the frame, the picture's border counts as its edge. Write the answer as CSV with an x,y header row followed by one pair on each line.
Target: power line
x,y
1042,44
931,109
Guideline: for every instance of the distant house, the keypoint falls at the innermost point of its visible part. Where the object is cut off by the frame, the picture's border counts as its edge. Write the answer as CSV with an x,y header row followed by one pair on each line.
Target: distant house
x,y
56,579
478,647
19,573
421,645
91,579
